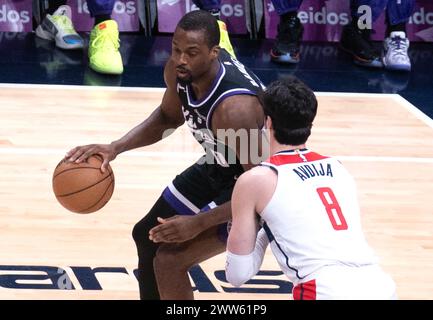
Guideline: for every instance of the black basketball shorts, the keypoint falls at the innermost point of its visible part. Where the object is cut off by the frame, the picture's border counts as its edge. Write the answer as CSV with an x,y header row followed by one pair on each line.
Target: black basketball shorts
x,y
202,187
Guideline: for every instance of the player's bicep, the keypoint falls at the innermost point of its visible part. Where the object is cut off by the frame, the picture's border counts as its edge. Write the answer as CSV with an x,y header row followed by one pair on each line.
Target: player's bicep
x,y
243,231
242,116
171,108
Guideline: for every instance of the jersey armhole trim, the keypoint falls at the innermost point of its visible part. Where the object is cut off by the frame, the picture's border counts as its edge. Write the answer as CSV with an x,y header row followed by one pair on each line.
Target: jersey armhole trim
x,y
270,166
225,95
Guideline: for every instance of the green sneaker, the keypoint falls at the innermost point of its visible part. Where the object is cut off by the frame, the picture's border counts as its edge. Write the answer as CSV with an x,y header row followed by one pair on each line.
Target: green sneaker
x,y
58,27
225,39
104,55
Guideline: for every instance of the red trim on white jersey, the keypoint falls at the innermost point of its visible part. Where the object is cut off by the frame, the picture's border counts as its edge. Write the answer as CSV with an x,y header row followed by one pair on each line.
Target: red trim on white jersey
x,y
305,291
287,157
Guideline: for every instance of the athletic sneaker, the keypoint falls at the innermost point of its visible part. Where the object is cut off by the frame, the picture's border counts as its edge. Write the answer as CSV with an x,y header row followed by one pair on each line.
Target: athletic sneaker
x,y
394,55
287,46
58,27
225,39
104,55
357,43
92,78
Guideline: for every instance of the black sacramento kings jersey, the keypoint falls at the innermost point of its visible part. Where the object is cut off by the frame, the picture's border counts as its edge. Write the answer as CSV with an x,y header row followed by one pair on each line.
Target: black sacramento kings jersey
x,y
233,78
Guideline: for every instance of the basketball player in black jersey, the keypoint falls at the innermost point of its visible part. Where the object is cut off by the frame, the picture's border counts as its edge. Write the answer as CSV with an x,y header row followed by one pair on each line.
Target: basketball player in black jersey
x,y
209,90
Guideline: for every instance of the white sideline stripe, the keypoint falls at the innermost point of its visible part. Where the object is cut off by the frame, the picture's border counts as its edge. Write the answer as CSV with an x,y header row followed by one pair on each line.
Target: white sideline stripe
x,y
156,89
172,155
182,199
394,96
159,89
414,110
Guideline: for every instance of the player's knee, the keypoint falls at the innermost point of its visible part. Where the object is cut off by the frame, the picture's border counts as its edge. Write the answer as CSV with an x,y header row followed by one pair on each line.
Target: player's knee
x,y
169,260
161,264
140,232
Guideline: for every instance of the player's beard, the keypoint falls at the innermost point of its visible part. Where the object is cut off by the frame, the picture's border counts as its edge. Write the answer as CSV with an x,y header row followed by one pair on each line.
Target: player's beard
x,y
185,81
186,78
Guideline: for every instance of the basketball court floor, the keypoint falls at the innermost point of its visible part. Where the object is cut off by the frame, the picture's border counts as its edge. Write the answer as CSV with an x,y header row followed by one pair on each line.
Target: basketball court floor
x,y
48,252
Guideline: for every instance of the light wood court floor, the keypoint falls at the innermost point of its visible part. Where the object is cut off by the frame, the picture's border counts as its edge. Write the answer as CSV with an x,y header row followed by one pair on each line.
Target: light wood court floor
x,y
384,141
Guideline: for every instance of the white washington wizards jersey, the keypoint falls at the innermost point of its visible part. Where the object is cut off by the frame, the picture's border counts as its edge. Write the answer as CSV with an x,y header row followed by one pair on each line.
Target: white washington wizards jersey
x,y
313,218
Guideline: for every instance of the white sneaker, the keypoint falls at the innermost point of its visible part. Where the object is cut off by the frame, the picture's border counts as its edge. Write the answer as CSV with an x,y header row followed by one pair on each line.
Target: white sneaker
x,y
395,56
58,27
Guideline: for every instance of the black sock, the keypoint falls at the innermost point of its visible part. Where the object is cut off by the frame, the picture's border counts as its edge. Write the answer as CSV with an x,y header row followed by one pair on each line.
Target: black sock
x,y
286,17
53,5
355,22
396,27
102,18
366,33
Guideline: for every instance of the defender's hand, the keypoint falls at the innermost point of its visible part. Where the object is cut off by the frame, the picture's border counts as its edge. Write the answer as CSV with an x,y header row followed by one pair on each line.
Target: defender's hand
x,y
175,229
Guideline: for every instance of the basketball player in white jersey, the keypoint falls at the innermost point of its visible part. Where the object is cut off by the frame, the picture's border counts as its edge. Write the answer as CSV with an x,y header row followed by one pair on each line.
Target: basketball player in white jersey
x,y
308,208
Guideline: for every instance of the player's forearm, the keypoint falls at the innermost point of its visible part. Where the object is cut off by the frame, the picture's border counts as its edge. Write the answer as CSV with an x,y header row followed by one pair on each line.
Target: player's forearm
x,y
150,131
241,268
216,216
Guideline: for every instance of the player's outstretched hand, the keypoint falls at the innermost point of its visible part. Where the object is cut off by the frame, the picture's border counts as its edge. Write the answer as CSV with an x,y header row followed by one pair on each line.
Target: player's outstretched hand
x,y
175,229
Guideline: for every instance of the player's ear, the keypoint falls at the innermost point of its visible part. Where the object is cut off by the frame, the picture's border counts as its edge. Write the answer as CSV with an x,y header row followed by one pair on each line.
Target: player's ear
x,y
268,122
215,51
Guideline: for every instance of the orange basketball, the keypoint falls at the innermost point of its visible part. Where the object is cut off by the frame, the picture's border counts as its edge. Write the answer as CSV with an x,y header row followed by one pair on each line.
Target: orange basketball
x,y
82,187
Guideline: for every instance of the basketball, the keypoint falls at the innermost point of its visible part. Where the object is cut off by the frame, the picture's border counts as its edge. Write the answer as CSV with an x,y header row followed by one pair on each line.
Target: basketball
x,y
83,187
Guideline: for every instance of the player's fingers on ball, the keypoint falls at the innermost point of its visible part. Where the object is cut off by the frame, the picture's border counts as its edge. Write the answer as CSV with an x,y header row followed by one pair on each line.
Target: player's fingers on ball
x,y
104,165
75,155
70,153
85,155
81,158
81,152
